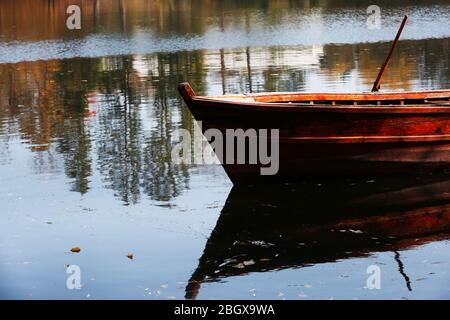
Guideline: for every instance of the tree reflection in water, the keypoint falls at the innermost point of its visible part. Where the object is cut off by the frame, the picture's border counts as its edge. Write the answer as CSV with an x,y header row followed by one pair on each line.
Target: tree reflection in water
x,y
116,115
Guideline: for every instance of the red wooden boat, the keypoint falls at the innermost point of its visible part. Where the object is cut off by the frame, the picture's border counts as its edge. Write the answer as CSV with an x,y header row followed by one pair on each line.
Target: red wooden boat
x,y
336,134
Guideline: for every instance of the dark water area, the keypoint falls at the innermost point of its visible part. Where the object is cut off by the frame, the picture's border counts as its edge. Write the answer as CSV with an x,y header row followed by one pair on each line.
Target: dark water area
x,y
87,119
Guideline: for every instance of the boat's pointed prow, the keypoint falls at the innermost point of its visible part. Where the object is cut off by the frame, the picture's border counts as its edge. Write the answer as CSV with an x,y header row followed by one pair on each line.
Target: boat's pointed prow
x,y
186,91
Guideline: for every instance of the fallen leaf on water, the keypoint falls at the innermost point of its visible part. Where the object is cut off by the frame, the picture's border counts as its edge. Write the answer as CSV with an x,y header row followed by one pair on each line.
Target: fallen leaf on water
x,y
76,249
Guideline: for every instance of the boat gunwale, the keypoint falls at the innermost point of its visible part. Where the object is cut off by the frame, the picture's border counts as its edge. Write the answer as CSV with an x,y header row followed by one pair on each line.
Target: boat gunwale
x,y
356,96
199,101
368,139
355,139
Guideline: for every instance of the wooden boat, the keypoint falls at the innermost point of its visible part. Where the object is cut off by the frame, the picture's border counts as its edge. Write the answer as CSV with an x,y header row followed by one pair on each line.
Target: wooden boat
x,y
299,225
336,134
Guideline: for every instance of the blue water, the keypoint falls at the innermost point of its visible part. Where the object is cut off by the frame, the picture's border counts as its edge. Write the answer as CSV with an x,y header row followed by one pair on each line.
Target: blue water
x,y
86,124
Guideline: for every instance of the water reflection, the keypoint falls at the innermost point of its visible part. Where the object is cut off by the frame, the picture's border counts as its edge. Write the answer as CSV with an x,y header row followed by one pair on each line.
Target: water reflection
x,y
114,116
266,228
169,17
87,117
36,29
93,108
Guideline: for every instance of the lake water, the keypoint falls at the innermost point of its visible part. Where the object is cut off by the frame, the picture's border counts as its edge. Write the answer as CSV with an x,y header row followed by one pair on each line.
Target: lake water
x,y
86,124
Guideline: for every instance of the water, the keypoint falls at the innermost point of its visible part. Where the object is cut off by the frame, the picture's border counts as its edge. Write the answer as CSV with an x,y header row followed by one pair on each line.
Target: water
x,y
86,124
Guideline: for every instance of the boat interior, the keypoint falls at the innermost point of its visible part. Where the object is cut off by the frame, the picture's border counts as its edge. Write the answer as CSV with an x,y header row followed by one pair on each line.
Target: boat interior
x,y
423,98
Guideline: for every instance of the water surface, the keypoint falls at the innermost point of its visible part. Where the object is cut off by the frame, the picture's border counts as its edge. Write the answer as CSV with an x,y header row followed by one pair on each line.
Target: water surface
x,y
86,125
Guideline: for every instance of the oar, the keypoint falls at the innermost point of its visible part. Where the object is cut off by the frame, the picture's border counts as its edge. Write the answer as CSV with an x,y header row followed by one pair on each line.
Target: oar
x,y
376,84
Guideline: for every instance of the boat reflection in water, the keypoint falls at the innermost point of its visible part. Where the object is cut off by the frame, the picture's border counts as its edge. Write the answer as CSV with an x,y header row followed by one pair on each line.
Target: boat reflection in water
x,y
268,228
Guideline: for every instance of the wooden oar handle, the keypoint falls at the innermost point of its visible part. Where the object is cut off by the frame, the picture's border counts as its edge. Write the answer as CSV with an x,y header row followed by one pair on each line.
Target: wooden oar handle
x,y
376,84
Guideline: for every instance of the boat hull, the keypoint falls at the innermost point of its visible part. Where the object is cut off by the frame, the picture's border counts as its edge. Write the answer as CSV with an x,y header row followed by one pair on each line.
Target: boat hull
x,y
317,160
333,141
